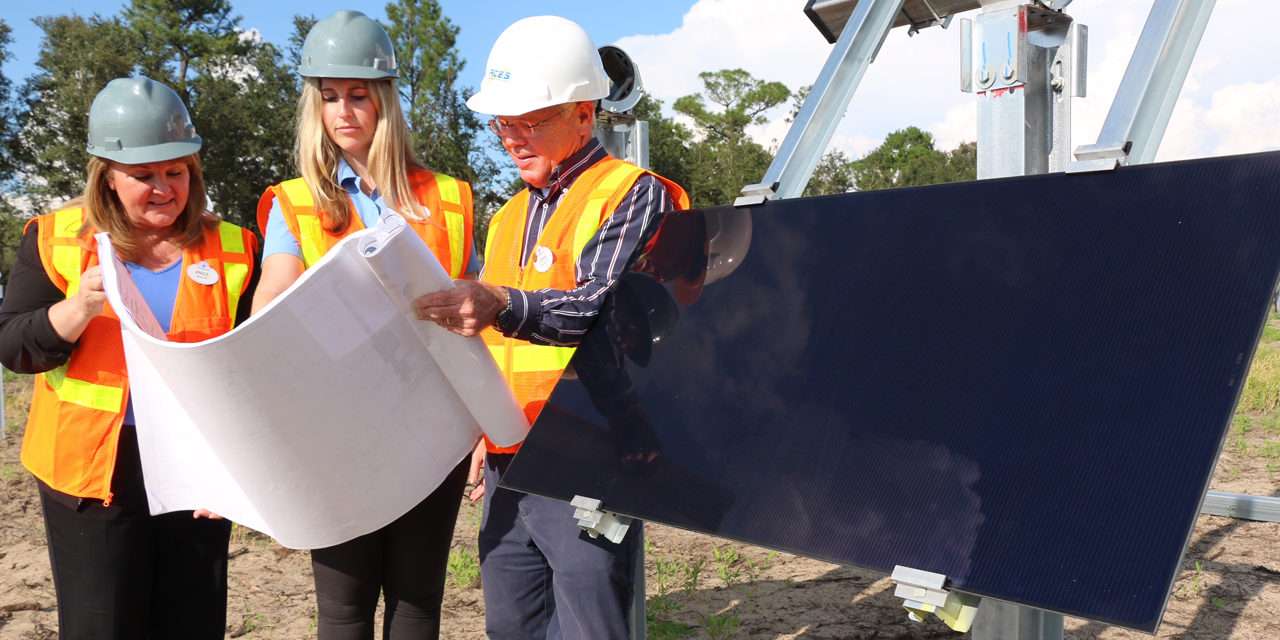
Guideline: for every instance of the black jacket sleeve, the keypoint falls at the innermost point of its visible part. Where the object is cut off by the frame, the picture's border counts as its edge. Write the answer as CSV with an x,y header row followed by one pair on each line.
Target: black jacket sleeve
x,y
28,343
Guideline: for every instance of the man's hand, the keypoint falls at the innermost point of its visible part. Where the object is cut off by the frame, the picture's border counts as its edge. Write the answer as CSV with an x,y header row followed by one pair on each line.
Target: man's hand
x,y
466,309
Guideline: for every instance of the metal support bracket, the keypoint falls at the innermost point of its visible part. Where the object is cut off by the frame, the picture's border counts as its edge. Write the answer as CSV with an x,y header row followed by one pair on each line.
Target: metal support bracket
x,y
925,592
754,194
1151,84
599,523
1241,506
807,139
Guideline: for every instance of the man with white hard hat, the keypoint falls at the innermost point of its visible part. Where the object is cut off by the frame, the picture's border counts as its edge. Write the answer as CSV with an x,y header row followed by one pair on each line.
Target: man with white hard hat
x,y
553,252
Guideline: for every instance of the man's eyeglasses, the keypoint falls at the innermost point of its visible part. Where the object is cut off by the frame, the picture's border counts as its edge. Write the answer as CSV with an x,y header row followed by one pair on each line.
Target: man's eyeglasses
x,y
502,126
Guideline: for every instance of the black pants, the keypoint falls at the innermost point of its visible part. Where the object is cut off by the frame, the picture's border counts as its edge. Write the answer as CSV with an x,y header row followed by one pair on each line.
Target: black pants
x,y
121,573
406,560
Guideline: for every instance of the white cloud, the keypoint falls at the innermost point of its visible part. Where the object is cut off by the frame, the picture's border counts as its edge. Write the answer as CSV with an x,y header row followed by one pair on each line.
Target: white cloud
x,y
1230,103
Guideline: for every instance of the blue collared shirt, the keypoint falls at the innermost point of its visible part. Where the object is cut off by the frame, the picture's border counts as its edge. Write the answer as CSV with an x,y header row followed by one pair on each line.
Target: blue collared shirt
x,y
280,240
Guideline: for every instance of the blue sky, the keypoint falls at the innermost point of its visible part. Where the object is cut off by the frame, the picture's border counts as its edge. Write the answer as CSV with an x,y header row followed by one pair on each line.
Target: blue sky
x,y
479,21
1228,105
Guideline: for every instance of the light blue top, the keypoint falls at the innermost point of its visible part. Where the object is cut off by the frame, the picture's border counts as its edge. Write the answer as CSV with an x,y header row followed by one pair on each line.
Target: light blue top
x,y
160,290
280,240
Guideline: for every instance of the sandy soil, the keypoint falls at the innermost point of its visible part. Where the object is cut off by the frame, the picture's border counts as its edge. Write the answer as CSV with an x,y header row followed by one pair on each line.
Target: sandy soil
x,y
698,586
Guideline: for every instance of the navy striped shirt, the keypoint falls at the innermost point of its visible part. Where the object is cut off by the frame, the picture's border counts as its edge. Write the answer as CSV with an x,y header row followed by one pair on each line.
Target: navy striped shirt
x,y
559,317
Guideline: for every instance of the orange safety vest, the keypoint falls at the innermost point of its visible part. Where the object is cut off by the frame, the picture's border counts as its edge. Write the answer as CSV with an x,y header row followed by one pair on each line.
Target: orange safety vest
x,y
77,409
533,370
448,238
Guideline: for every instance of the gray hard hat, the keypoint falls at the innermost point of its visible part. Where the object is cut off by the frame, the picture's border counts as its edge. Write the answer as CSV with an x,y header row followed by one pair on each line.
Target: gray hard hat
x,y
348,44
139,120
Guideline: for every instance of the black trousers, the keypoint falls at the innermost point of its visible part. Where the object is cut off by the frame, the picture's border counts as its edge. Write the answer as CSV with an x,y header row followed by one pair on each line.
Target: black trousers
x,y
406,560
121,573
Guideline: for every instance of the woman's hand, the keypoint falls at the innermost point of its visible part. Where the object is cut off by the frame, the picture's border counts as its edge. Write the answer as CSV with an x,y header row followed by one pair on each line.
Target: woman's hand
x,y
71,316
475,475
205,513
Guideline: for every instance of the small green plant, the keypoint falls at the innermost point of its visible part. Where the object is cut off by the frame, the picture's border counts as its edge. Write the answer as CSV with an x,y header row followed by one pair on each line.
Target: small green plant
x,y
721,626
659,608
1219,602
728,564
1243,424
464,567
1271,449
691,574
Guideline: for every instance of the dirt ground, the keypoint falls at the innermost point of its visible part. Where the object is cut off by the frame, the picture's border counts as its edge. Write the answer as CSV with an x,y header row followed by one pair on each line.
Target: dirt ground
x,y
703,587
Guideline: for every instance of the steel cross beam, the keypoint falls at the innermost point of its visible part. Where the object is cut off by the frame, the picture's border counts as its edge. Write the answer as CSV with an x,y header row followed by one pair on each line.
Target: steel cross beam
x,y
809,135
1136,123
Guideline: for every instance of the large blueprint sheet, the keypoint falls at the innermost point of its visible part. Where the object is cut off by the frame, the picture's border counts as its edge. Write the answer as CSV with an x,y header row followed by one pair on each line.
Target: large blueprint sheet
x,y
328,414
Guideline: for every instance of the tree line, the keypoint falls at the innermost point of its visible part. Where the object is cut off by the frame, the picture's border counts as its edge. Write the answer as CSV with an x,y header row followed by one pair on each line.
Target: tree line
x,y
241,89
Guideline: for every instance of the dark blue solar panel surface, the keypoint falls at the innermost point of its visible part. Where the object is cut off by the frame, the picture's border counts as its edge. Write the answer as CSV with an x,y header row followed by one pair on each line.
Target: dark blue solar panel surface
x,y
1022,384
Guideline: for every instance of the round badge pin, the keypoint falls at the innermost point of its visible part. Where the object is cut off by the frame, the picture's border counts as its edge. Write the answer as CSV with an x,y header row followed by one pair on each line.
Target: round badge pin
x,y
202,273
542,259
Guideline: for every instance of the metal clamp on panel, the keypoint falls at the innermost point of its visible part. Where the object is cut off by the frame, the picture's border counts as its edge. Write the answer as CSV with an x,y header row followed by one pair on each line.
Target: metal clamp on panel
x,y
1097,157
599,523
925,592
754,194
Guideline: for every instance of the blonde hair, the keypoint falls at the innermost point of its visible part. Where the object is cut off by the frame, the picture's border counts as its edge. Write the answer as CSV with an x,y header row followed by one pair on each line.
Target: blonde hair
x,y
103,210
390,155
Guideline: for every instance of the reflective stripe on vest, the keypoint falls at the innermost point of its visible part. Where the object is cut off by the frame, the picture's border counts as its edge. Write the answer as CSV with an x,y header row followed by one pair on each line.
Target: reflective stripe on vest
x,y
66,261
236,274
312,237
77,409
529,358
454,221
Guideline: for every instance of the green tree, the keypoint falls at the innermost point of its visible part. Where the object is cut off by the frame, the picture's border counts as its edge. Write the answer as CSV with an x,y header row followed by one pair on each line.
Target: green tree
x,y
668,141
447,136
179,35
78,56
908,158
243,107
725,158
10,223
834,174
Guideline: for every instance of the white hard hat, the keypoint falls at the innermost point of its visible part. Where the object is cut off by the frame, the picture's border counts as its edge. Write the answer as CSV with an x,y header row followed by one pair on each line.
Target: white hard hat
x,y
539,62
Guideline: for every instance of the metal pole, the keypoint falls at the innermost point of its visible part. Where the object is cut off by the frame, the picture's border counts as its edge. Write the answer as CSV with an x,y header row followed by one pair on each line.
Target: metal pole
x,y
1025,62
808,136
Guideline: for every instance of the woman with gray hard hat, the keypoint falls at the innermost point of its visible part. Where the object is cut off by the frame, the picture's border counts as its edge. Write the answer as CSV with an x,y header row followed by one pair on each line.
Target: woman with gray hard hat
x,y
356,165
118,571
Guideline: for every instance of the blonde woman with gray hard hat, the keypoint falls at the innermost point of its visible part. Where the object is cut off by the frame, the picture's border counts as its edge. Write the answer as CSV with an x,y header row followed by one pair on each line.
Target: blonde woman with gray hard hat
x,y
553,252
118,571
356,165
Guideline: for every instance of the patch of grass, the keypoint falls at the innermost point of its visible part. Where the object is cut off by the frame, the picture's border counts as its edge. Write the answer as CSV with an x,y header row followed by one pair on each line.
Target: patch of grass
x,y
17,400
1271,449
721,626
1270,333
1262,387
464,567
659,609
9,471
663,629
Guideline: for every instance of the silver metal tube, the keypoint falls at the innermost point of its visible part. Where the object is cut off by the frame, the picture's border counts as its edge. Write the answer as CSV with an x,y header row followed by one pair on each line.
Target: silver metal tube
x,y
809,135
1140,112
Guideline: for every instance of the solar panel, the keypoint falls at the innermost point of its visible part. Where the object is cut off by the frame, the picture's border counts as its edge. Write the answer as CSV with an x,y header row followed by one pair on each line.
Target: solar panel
x,y
1022,384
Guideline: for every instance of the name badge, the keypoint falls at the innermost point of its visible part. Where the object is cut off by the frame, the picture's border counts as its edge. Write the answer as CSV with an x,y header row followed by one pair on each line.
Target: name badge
x,y
202,273
542,259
